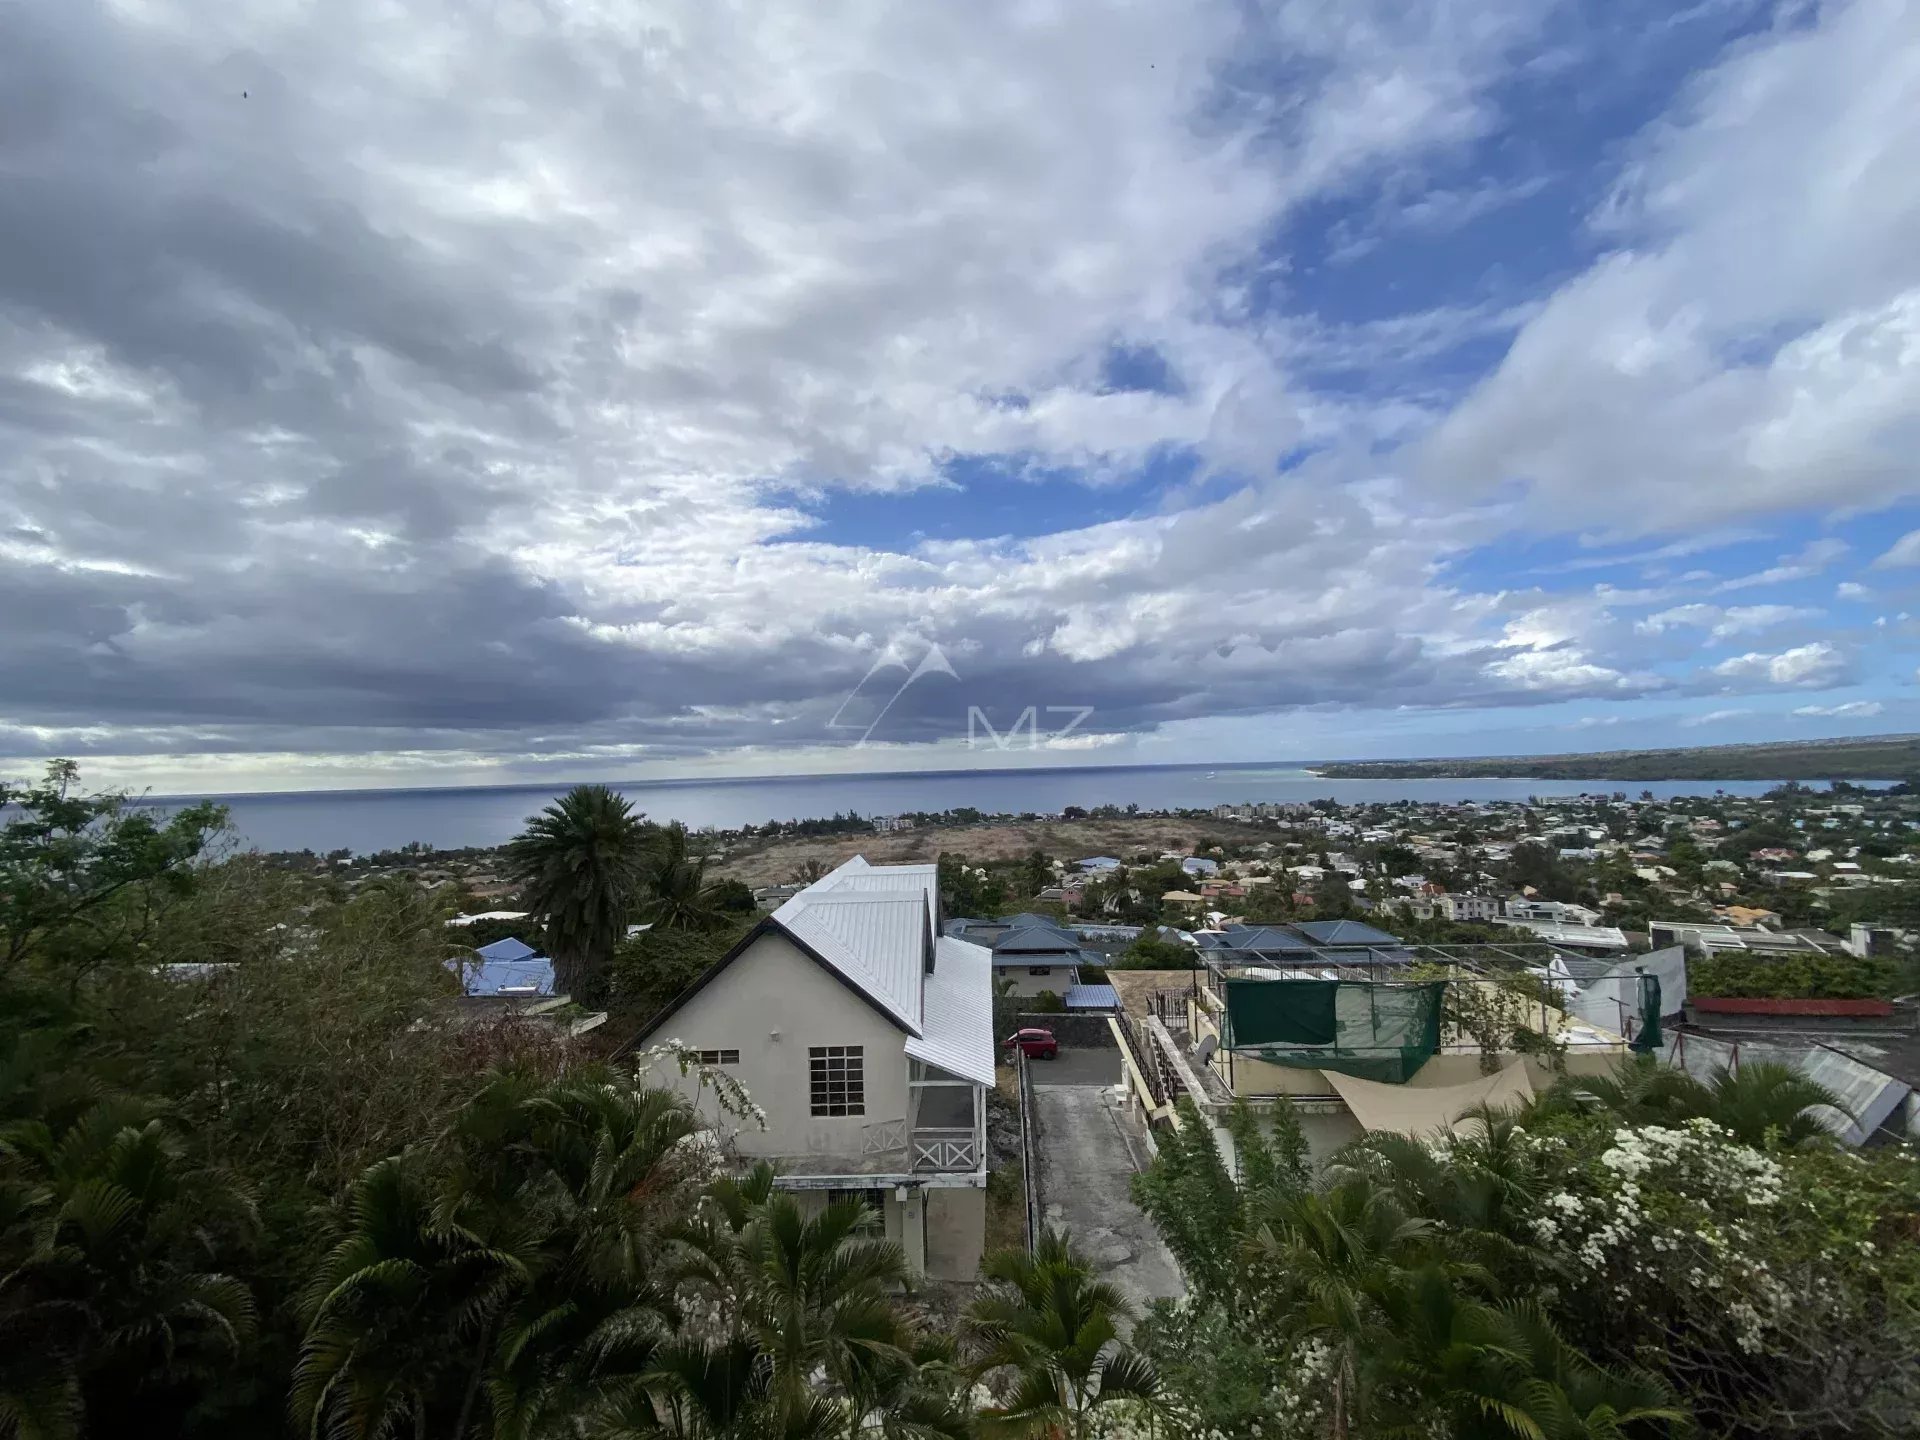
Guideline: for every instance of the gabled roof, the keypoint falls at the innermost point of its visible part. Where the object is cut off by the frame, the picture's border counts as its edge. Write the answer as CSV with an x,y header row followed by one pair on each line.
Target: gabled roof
x,y
957,1014
871,927
877,941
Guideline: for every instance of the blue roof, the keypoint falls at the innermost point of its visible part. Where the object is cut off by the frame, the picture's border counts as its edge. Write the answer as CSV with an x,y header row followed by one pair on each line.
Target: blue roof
x,y
1196,865
1267,939
509,977
507,949
1091,997
1344,932
1036,940
1098,862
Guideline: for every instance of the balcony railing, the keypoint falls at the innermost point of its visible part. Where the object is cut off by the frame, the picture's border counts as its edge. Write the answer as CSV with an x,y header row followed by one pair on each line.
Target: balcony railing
x,y
946,1150
883,1136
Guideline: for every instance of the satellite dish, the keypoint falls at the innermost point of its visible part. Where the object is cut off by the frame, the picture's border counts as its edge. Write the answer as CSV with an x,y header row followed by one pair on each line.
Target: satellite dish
x,y
1203,1052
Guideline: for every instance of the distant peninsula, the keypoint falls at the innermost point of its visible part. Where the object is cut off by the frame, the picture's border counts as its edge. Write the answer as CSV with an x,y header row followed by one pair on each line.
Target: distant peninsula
x,y
1871,757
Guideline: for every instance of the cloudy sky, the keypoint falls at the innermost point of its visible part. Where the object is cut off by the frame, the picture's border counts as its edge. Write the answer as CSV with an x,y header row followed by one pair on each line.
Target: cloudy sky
x,y
436,392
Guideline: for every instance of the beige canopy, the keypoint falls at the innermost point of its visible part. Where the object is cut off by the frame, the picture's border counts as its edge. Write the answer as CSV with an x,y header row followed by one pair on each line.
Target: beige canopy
x,y
1422,1109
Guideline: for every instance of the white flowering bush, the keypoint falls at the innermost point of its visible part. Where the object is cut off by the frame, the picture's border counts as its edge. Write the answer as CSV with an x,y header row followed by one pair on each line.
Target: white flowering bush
x,y
1755,1280
1736,1270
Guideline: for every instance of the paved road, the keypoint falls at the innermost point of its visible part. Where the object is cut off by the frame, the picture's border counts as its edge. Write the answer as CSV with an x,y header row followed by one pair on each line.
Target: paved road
x,y
1089,1147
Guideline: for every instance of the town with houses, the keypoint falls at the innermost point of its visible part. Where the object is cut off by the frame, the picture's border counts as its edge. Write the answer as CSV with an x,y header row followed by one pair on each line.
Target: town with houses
x,y
1375,966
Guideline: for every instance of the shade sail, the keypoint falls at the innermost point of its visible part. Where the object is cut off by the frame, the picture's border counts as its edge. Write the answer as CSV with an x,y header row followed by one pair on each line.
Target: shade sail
x,y
1422,1109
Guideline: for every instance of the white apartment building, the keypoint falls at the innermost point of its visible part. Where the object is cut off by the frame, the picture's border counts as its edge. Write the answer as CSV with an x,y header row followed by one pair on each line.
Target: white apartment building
x,y
866,1037
1468,907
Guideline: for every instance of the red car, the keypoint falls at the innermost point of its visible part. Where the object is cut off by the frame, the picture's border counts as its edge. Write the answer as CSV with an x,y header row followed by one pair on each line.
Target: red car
x,y
1036,1044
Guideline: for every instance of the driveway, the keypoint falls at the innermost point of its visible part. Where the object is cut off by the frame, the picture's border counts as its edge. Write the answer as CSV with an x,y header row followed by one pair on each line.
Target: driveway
x,y
1089,1146
1089,1065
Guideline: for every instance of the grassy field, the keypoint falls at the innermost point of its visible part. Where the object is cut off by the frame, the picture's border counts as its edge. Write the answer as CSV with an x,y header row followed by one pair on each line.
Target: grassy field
x,y
779,861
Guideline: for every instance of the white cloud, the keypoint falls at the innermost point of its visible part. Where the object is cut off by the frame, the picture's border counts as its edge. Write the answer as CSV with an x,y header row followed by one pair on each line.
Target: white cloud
x,y
1652,392
1903,552
1807,667
1851,710
1724,624
1712,717
1813,558
1849,590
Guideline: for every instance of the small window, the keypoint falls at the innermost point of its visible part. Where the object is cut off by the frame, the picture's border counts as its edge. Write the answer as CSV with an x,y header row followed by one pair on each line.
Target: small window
x,y
719,1057
1039,970
839,1082
874,1200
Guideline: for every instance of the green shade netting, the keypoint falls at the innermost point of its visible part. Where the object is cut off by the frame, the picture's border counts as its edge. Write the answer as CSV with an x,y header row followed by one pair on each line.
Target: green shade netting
x,y
1375,1030
1648,1040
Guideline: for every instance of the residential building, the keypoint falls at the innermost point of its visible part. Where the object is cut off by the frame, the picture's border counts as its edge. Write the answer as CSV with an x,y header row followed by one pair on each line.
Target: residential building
x,y
1559,912
887,823
1478,908
866,1038
1097,864
1031,954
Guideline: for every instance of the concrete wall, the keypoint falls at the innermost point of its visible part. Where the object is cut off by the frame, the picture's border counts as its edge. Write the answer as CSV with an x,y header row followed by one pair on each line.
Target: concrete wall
x,y
956,1233
771,1004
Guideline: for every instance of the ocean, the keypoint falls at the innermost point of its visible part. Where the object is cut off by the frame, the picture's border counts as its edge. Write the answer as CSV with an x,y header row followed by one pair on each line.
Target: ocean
x,y
366,821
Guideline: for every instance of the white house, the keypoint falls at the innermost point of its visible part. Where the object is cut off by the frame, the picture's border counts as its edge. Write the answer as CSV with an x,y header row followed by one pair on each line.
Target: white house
x,y
867,1039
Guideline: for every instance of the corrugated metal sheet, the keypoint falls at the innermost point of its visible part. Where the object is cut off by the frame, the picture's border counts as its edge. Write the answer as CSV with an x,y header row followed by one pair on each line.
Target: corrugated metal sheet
x,y
957,1031
1091,997
877,940
509,977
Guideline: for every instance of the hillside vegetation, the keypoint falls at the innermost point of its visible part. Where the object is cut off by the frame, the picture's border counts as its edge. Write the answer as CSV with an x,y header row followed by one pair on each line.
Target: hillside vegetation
x,y
1873,757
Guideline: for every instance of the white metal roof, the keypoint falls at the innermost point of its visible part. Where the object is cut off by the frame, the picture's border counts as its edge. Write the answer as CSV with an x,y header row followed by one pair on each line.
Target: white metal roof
x,y
958,1013
871,923
878,941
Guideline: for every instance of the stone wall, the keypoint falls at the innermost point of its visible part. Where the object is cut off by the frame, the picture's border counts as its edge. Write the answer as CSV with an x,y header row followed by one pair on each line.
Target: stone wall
x,y
1084,1030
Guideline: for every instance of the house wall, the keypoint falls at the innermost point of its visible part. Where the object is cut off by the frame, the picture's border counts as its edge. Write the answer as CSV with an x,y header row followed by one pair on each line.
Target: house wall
x,y
956,1233
771,1004
1016,980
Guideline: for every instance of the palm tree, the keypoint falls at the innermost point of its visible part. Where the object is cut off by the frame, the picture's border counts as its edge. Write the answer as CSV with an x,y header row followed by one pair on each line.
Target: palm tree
x,y
812,1293
676,893
1046,1319
112,1312
1766,1102
1752,1102
402,1315
1481,1370
1339,1248
579,865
